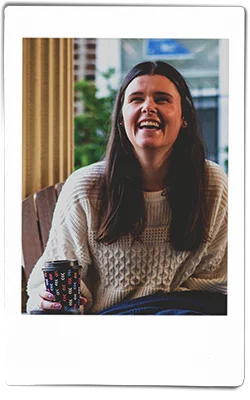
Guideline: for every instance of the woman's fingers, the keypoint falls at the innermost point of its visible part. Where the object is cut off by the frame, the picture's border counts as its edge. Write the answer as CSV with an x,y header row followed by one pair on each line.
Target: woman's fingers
x,y
49,305
47,301
47,296
81,309
83,300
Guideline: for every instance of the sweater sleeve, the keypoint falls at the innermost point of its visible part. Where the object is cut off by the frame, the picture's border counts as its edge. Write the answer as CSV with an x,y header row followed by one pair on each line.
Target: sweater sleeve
x,y
67,240
211,272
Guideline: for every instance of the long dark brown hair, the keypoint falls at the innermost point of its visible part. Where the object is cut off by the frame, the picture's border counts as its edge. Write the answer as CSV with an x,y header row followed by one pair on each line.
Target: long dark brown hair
x,y
122,208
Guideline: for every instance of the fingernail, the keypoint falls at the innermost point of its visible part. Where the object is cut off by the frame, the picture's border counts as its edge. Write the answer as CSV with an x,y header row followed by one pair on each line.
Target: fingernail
x,y
57,305
50,296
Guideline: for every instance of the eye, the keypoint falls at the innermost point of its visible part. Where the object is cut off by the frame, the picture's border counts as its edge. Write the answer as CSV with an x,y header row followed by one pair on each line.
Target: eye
x,y
162,99
136,100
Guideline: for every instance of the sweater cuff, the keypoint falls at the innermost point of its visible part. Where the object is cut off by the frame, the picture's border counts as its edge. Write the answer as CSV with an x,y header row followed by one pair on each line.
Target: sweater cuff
x,y
211,285
34,299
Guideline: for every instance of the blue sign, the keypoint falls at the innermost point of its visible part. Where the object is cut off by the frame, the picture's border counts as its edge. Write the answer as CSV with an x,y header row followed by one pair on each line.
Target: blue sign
x,y
168,48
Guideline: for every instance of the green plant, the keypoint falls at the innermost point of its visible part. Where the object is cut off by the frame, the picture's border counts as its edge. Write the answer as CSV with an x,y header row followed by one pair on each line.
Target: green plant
x,y
92,127
226,161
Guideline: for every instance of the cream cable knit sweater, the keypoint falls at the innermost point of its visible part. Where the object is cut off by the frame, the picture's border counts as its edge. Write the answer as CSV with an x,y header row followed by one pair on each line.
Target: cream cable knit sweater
x,y
122,271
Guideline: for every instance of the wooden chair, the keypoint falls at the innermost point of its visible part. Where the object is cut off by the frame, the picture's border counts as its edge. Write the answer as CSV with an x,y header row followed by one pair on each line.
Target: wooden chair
x,y
37,212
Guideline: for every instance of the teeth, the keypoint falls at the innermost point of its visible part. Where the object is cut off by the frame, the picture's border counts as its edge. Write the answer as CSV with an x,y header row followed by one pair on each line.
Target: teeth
x,y
149,123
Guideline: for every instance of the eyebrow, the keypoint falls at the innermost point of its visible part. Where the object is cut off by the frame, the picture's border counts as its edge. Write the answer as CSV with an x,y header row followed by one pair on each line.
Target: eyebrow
x,y
156,93
164,94
135,93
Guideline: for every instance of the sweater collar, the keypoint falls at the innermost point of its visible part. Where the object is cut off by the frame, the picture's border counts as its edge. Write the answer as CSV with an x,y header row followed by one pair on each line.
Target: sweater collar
x,y
156,196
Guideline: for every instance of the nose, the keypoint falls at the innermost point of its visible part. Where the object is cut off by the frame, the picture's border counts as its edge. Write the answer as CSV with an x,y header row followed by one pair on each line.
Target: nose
x,y
149,106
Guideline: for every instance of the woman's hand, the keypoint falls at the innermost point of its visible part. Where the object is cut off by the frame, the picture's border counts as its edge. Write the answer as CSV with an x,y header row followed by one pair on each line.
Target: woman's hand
x,y
48,302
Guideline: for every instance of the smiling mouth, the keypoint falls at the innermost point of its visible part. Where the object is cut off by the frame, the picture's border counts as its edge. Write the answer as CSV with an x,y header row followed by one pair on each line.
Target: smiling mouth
x,y
149,125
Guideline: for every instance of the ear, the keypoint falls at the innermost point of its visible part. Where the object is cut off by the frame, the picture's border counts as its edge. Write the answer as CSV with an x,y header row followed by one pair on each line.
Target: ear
x,y
184,123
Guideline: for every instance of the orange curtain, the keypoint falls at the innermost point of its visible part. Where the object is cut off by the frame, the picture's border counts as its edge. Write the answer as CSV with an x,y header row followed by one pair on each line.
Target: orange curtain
x,y
48,129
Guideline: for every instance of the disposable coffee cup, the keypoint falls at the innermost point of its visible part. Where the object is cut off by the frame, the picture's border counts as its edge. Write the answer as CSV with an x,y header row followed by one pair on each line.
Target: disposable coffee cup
x,y
62,279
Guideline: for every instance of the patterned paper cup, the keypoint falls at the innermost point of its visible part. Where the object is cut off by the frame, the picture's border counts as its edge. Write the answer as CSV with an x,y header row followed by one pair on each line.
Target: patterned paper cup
x,y
62,279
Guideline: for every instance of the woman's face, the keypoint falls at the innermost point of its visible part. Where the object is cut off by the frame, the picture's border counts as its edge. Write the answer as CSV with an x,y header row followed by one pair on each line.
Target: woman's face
x,y
152,114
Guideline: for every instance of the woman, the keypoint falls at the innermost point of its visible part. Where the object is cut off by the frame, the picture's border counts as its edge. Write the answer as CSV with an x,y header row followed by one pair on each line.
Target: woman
x,y
151,217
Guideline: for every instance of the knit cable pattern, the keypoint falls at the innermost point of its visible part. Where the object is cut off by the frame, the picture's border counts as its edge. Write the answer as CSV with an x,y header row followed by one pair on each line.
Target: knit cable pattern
x,y
127,269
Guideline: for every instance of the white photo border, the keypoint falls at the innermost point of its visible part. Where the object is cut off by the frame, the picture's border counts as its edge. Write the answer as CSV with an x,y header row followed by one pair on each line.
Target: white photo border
x,y
113,350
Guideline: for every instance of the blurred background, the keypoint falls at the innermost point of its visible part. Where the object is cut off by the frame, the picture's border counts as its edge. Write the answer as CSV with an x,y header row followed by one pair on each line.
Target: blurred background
x,y
101,64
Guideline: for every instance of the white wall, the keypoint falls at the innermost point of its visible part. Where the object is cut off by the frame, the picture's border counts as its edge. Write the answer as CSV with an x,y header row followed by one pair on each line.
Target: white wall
x,y
108,55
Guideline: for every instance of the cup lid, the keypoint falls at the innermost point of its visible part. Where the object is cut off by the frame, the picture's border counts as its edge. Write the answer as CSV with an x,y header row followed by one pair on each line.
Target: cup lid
x,y
61,264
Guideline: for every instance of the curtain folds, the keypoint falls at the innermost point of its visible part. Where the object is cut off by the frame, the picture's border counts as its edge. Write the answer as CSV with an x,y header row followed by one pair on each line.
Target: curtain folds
x,y
48,112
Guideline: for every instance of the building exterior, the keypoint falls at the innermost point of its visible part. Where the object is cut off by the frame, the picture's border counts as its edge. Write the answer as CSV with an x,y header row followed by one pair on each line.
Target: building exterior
x,y
84,64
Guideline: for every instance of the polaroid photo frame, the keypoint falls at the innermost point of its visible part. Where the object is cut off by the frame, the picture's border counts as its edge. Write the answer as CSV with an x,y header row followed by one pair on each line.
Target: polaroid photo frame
x,y
149,351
